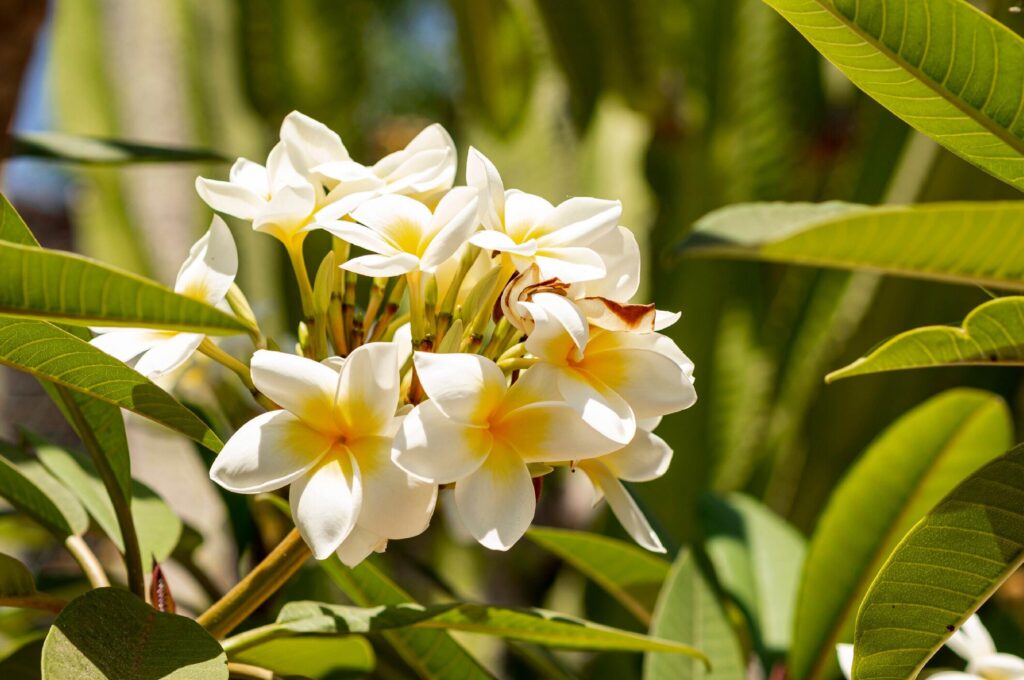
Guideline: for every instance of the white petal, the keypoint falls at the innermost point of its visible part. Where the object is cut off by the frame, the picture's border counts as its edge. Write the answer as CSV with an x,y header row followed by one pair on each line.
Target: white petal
x,y
598,405
464,387
570,264
997,666
523,212
311,142
288,211
383,265
358,235
483,176
164,357
624,507
454,220
268,452
228,197
560,329
211,266
549,432
252,176
400,220
305,387
502,242
359,545
425,165
125,344
368,388
326,502
395,504
663,319
620,253
645,458
497,502
650,382
281,170
437,449
844,654
578,222
972,640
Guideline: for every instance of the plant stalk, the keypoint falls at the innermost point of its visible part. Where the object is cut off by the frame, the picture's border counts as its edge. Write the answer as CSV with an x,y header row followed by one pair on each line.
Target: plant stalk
x,y
87,560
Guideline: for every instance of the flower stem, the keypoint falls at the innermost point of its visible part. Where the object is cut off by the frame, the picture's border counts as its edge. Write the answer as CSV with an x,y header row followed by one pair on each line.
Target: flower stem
x,y
211,350
317,337
258,585
88,561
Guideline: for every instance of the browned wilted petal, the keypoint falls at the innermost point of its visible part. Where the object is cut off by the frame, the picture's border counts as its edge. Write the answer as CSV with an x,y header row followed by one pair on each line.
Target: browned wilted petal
x,y
521,288
617,316
160,591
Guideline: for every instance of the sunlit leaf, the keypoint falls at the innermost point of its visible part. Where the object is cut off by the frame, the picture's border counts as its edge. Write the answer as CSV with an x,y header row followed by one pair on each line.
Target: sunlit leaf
x,y
942,571
992,335
157,526
32,490
974,243
59,286
630,575
907,470
93,150
757,558
54,355
528,625
942,66
110,633
313,656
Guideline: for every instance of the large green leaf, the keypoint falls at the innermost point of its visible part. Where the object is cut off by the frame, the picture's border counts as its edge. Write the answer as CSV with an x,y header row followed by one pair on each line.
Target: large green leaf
x,y
528,625
907,470
431,654
757,558
12,228
157,526
630,575
312,656
54,355
992,335
110,633
18,588
60,286
942,571
942,66
976,243
93,150
32,490
689,609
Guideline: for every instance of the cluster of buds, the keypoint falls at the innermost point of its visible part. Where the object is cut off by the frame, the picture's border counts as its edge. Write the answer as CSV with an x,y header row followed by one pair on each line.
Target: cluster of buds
x,y
497,343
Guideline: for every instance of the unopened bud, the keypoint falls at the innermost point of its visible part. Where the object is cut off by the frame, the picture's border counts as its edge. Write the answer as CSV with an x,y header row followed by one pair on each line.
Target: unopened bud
x,y
324,284
240,306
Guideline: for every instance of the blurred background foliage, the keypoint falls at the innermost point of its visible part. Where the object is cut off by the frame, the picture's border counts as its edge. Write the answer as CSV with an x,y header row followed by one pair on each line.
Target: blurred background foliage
x,y
675,108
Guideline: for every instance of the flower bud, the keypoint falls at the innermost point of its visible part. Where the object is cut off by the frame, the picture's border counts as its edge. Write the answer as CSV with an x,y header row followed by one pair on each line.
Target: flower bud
x,y
324,284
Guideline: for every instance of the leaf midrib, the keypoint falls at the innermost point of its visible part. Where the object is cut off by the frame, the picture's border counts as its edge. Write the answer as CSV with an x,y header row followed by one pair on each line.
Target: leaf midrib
x,y
974,114
825,650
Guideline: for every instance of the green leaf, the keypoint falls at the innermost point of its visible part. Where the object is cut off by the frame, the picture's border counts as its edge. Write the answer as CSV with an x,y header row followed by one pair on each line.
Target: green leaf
x,y
942,571
432,654
992,335
757,558
630,575
313,656
689,610
32,490
942,66
54,285
527,625
495,48
54,355
158,527
110,633
94,151
974,243
904,473
18,588
12,228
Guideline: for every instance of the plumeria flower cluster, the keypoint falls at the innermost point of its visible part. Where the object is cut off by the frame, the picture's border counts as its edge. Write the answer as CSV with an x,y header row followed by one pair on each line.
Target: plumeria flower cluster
x,y
498,343
973,644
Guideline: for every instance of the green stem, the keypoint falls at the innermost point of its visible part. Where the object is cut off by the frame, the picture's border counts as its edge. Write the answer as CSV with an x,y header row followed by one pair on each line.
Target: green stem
x,y
258,585
417,309
88,561
245,671
211,350
317,335
517,364
118,499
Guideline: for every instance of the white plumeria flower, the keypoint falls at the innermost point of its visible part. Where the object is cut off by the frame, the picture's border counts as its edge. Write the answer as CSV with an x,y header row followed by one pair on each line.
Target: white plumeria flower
x,y
423,170
611,378
645,458
207,276
404,235
480,434
332,444
974,645
559,240
280,198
